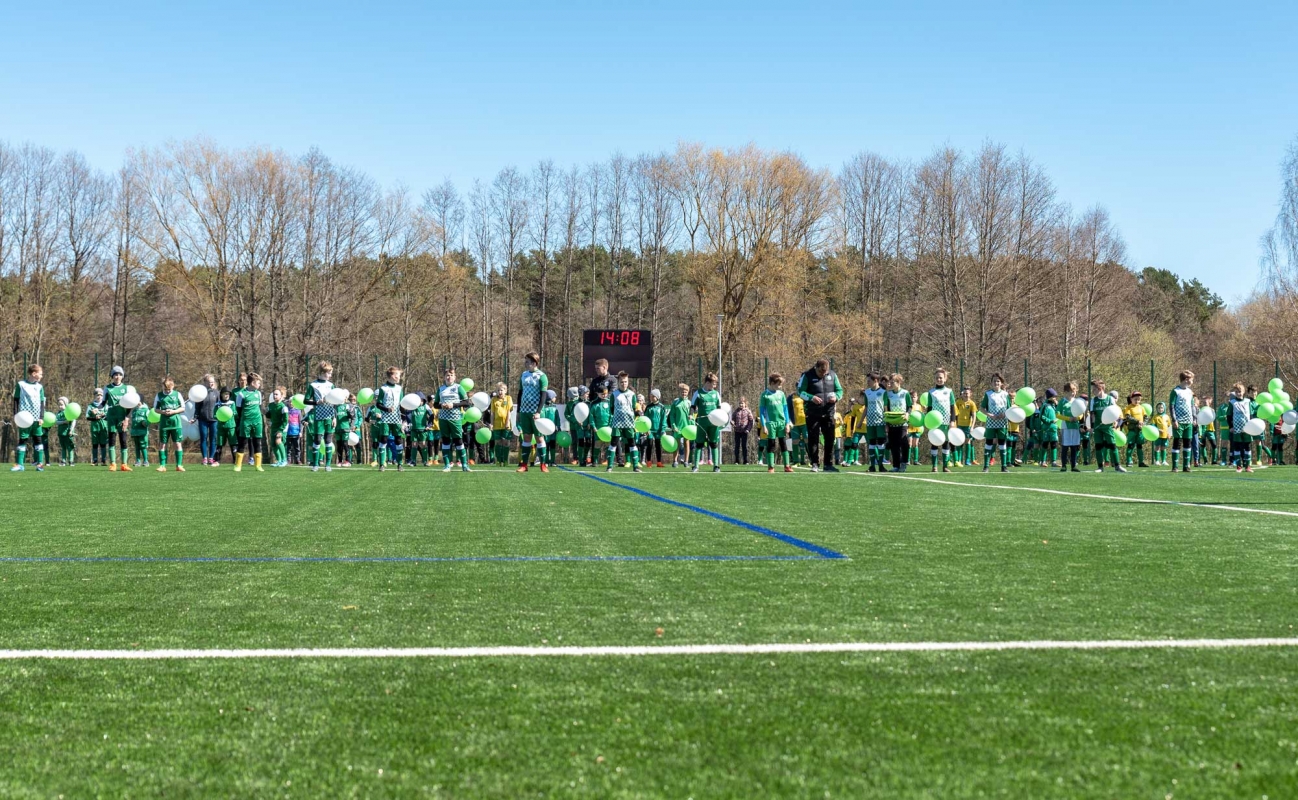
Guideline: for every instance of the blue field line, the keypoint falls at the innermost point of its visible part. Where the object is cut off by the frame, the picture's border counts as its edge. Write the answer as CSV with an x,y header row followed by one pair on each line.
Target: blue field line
x,y
368,559
821,552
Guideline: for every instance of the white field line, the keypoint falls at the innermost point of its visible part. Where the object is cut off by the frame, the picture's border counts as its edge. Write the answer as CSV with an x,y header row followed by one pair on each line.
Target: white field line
x,y
1145,500
648,650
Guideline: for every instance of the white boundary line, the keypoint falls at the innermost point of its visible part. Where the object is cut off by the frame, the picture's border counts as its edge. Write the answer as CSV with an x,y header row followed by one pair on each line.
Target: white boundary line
x,y
647,650
1145,500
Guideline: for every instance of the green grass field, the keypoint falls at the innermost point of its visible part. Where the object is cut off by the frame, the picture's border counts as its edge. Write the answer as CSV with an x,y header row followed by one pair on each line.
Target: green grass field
x,y
288,559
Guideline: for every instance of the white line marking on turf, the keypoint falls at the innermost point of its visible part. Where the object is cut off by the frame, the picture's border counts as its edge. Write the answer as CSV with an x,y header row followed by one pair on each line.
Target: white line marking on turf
x,y
1146,500
650,650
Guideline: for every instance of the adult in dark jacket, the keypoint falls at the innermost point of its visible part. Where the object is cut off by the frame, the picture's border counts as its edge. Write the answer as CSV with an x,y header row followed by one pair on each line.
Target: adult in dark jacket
x,y
602,378
741,424
205,416
819,389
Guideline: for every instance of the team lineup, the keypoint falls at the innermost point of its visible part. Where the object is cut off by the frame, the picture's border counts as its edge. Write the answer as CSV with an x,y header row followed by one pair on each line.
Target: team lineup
x,y
607,422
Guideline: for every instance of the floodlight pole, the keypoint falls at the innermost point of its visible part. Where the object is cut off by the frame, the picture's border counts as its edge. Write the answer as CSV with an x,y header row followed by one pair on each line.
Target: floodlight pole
x,y
720,319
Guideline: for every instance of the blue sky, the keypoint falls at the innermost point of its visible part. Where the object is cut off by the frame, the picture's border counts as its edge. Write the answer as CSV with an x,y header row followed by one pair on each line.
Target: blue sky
x,y
1174,115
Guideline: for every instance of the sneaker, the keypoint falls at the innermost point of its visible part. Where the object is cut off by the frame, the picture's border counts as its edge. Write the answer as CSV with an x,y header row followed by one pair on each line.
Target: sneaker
x,y
694,469
660,465
316,468
1101,469
125,468
465,467
770,470
987,468
788,469
521,468
1246,469
40,467
446,468
718,469
830,468
179,468
946,469
815,468
636,469
546,468
162,469
400,467
609,468
329,468
1121,468
1238,470
112,467
1075,469
872,469
17,468
1063,469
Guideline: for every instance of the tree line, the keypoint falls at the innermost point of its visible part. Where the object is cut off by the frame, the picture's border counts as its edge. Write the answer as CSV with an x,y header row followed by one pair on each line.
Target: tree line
x,y
265,259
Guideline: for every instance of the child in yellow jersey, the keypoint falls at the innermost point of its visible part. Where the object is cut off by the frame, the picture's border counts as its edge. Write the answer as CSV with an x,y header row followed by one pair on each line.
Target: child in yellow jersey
x,y
1163,421
799,411
852,423
913,431
838,438
1133,419
966,411
501,406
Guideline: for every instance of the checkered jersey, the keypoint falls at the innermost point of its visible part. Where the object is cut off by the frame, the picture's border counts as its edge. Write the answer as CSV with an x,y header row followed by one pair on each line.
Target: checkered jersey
x,y
387,399
1241,411
874,405
30,397
315,396
941,399
996,404
532,386
450,394
623,408
1180,404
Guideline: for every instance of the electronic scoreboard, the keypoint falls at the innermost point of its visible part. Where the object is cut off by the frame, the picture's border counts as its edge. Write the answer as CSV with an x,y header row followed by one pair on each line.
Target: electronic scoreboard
x,y
629,350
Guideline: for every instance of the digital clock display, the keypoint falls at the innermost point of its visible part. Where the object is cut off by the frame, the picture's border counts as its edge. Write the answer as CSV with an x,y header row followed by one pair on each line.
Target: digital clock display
x,y
627,350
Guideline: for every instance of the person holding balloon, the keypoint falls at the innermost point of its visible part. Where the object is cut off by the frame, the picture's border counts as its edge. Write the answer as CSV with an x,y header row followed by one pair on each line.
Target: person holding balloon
x,y
227,427
1071,413
115,393
679,417
1241,420
896,417
320,420
386,424
1105,413
940,402
532,386
626,407
97,414
601,420
29,412
452,399
252,425
995,404
1162,423
1134,415
67,432
549,413
140,434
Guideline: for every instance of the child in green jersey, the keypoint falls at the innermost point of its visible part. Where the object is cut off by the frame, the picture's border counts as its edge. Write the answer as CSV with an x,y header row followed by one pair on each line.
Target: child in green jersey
x,y
1106,444
417,443
773,411
227,432
252,426
29,397
679,415
140,434
1070,429
169,404
875,429
117,389
277,419
709,435
451,402
656,411
97,415
601,416
67,431
1048,429
626,407
387,433
995,404
545,456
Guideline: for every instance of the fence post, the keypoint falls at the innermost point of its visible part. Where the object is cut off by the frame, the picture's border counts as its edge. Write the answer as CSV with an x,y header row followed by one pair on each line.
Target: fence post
x,y
1152,390
166,363
566,382
1214,384
1277,368
1026,376
306,371
1088,377
962,374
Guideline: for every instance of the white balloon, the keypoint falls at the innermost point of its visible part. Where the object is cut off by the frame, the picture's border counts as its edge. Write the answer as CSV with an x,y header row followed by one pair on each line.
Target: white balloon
x,y
1290,418
1255,427
197,393
129,400
1077,407
978,433
481,401
725,406
353,438
1016,414
581,412
545,427
1287,428
1207,415
936,437
411,401
719,417
1111,415
336,396
190,432
956,437
24,419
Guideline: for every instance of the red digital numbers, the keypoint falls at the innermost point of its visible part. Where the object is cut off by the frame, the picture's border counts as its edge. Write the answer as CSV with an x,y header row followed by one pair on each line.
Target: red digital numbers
x,y
622,338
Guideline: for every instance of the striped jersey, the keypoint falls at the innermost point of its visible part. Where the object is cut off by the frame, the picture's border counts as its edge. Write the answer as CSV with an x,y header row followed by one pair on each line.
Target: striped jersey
x,y
531,388
874,401
387,399
996,404
1180,405
315,396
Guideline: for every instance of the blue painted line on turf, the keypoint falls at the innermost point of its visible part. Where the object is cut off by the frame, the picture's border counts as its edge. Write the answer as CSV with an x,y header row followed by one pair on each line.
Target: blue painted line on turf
x,y
367,559
801,544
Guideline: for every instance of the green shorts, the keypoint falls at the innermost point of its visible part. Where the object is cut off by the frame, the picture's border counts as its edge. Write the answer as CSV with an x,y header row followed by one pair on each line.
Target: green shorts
x,y
1210,436
799,432
1103,436
501,435
431,435
168,435
1049,437
449,429
99,435
526,424
116,416
708,433
995,434
252,430
1184,431
382,430
318,427
226,436
33,432
876,433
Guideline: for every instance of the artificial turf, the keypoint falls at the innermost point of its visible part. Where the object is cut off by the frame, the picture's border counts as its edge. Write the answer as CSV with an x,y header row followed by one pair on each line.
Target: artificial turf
x,y
925,562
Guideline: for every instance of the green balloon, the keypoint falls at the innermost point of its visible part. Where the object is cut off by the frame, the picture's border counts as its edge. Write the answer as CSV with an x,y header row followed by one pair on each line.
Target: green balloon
x,y
154,417
932,420
1275,385
1269,412
224,414
688,432
1025,396
642,424
472,414
563,439
923,399
1149,410
605,434
73,411
48,420
467,385
365,396
298,401
1120,438
668,442
483,435
1149,433
1264,397
916,419
982,416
